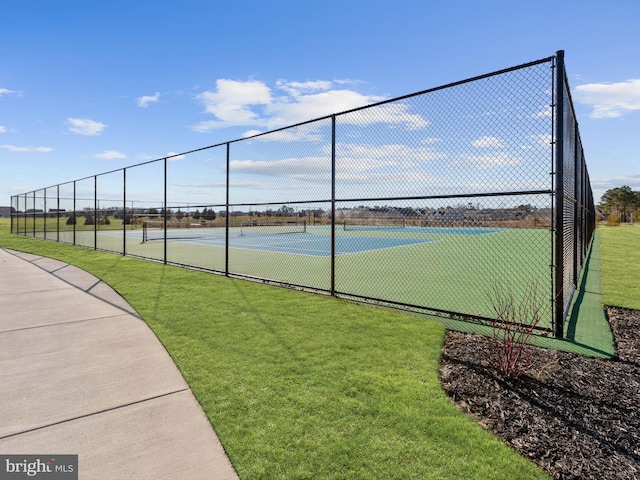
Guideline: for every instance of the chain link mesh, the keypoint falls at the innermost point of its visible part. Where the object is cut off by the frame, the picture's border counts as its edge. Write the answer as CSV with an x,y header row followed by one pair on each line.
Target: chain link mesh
x,y
578,212
426,201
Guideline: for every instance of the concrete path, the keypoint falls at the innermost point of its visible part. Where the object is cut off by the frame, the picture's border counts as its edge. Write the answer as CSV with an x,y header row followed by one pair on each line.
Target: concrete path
x,y
81,373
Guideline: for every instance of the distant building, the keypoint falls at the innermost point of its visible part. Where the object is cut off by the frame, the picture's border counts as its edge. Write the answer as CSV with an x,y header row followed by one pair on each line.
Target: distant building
x,y
5,212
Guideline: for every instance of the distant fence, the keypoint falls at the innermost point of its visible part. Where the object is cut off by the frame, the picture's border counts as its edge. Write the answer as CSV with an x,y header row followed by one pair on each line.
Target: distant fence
x,y
425,201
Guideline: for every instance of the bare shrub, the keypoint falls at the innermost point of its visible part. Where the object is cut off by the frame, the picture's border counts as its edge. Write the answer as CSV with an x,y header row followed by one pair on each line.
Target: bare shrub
x,y
515,321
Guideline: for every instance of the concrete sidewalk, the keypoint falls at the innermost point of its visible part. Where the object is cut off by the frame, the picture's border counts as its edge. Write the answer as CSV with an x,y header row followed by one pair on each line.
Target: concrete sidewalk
x,y
81,373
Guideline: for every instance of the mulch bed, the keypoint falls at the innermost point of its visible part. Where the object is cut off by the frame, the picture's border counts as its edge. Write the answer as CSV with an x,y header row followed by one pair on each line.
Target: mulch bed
x,y
576,417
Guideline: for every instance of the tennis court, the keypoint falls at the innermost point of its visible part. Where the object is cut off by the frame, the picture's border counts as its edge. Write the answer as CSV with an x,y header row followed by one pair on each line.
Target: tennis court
x,y
311,241
445,268
442,162
448,268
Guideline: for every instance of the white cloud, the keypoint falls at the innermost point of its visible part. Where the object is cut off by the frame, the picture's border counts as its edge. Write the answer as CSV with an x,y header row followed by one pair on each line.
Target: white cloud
x,y
84,126
392,163
5,91
389,155
200,184
538,140
253,103
610,100
109,155
314,105
308,168
298,134
483,162
632,181
207,125
3,129
403,179
544,112
347,81
295,89
175,156
145,100
217,188
488,142
391,113
232,101
251,133
13,148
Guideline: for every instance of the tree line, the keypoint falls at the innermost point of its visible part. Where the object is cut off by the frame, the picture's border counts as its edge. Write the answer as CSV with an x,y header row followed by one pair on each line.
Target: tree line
x,y
620,204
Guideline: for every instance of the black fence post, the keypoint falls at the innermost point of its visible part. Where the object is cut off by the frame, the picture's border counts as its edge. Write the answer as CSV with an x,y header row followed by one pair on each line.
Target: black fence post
x,y
58,213
75,217
226,221
33,215
24,215
333,205
577,211
559,197
44,213
165,213
95,212
11,215
124,211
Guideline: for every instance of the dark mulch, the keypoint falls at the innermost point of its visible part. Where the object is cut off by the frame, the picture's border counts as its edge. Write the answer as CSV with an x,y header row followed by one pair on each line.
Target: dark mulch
x,y
576,417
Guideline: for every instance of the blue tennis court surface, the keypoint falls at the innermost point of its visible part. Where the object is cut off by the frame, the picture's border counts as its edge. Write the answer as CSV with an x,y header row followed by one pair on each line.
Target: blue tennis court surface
x,y
304,244
318,243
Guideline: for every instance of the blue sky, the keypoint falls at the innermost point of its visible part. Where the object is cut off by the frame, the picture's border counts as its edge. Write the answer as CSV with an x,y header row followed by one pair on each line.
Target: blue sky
x,y
93,86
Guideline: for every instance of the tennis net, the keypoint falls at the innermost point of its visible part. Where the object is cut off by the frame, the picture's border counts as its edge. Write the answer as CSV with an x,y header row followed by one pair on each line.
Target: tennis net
x,y
373,224
158,230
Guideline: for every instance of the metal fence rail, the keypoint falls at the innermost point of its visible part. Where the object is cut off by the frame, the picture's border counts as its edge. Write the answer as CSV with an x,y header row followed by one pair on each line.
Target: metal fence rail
x,y
426,201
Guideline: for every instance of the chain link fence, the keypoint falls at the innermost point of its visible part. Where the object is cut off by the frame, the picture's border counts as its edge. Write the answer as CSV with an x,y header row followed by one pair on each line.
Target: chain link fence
x,y
426,201
575,219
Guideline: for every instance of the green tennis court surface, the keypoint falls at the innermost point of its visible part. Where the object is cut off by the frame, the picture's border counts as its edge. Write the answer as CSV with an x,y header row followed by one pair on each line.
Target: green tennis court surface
x,y
450,269
587,330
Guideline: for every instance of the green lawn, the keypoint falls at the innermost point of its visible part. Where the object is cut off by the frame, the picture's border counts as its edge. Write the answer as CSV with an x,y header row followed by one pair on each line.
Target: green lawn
x,y
299,385
621,265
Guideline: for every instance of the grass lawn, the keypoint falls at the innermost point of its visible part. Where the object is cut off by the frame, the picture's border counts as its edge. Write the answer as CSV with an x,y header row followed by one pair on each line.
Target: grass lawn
x,y
621,265
299,385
